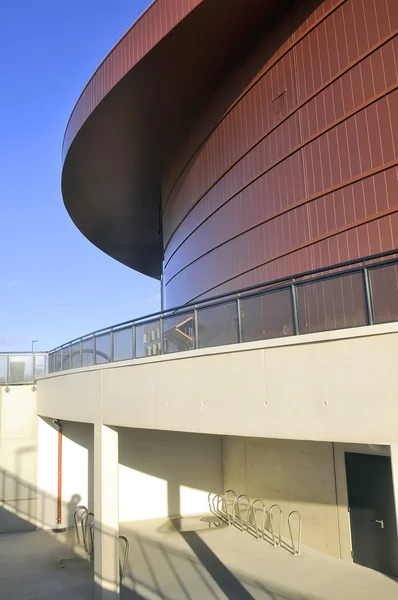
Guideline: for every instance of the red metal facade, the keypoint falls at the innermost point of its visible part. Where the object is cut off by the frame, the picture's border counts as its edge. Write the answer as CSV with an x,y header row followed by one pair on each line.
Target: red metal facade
x,y
300,170
153,25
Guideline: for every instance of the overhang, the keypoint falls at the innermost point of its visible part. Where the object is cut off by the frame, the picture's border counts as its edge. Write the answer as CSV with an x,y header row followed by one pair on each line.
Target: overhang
x,y
133,114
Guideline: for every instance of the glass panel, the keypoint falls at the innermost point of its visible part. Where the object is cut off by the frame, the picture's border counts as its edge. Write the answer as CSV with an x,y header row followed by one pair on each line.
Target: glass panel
x,y
217,325
88,353
123,344
3,369
103,348
66,358
76,359
57,361
51,361
267,316
178,333
20,369
40,365
384,286
147,340
334,303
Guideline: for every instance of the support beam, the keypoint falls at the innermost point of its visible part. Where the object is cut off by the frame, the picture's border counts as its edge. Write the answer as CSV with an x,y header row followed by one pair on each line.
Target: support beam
x,y
106,513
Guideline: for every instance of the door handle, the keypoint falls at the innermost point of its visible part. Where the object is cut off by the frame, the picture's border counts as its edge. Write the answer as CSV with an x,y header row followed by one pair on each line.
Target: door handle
x,y
379,521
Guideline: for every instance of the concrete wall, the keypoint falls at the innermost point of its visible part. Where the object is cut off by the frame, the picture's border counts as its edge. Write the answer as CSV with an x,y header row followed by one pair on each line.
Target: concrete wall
x,y
163,473
335,386
77,471
18,458
297,475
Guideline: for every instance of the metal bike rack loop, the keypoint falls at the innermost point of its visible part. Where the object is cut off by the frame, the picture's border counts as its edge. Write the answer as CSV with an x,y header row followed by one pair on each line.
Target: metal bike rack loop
x,y
84,524
278,538
126,555
225,498
265,513
296,550
92,525
239,511
216,502
78,509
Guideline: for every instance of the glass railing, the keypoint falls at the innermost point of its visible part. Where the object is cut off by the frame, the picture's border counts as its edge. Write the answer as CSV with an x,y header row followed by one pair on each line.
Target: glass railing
x,y
350,294
18,368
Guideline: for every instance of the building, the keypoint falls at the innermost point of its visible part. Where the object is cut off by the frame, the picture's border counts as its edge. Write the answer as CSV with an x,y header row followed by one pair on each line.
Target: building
x,y
245,151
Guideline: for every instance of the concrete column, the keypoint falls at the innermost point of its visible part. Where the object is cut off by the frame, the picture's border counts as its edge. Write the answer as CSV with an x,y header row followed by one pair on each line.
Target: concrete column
x,y
106,513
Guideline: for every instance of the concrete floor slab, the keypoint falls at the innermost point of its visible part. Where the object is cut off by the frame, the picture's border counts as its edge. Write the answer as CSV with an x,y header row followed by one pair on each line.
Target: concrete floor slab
x,y
39,566
185,559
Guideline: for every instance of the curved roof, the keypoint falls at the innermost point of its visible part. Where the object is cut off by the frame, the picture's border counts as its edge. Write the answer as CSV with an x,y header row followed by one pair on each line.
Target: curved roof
x,y
134,111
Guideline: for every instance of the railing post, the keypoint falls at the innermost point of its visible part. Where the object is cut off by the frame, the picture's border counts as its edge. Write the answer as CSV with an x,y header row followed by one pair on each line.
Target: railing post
x,y
134,337
195,326
295,309
368,296
161,335
239,313
112,346
94,350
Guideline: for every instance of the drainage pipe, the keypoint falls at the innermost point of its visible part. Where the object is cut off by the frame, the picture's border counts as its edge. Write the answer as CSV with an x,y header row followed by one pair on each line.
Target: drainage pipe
x,y
58,424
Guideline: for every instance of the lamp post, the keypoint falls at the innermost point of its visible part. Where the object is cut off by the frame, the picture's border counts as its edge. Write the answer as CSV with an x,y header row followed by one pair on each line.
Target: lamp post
x,y
33,367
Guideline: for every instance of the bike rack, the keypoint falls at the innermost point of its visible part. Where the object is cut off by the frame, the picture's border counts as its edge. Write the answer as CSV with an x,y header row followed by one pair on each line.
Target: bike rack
x,y
296,551
92,525
126,555
216,505
239,512
84,524
77,510
265,512
233,506
278,539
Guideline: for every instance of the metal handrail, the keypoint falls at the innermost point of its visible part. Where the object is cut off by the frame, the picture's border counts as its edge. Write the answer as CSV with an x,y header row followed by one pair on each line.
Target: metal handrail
x,y
296,550
228,492
242,521
77,510
270,285
278,538
126,555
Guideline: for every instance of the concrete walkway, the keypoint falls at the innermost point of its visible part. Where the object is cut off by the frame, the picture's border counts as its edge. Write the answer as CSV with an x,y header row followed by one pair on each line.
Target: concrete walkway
x,y
40,566
184,559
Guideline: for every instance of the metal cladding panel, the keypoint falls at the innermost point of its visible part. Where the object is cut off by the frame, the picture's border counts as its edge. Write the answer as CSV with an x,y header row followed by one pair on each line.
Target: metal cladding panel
x,y
298,169
154,24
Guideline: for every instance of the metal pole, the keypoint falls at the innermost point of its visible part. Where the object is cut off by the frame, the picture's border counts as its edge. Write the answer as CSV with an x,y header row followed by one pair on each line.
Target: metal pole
x,y
239,312
196,326
134,336
295,309
112,341
33,362
162,349
368,296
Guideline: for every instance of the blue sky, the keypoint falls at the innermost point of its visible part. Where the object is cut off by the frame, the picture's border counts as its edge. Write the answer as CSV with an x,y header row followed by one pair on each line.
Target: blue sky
x,y
54,284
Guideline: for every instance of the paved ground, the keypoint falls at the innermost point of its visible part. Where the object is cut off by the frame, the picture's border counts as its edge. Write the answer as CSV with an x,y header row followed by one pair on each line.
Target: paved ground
x,y
190,561
39,566
184,560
